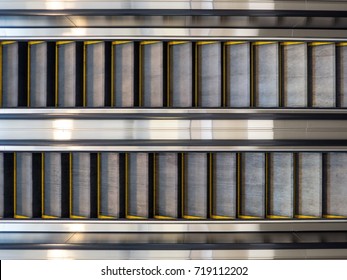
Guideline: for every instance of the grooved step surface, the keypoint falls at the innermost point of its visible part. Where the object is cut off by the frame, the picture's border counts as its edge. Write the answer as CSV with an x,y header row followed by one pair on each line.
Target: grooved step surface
x,y
10,75
2,185
24,185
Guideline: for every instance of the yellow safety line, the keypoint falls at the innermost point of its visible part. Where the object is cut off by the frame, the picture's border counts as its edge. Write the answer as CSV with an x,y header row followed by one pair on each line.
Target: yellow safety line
x,y
263,43
249,217
219,217
28,78
238,184
277,217
168,77
84,73
334,216
234,43
126,185
56,101
182,183
320,43
77,217
120,42
206,42
42,185
149,42
48,217
159,217
92,42
7,42
112,74
20,217
196,93
63,42
341,44
135,217
306,217
0,75
106,217
211,185
70,183
35,42
291,43
189,217
15,184
177,43
98,184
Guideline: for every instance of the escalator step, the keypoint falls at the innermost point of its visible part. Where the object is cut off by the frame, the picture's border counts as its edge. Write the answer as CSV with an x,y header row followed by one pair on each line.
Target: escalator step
x,y
2,186
342,74
10,74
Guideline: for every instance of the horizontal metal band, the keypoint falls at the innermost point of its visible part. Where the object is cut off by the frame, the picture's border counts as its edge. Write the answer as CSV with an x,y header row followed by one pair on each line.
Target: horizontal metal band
x,y
79,33
171,226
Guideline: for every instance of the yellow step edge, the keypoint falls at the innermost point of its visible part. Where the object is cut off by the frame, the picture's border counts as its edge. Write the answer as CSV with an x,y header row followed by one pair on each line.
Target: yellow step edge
x,y
306,217
217,217
35,42
163,217
92,42
135,217
341,44
48,217
320,43
334,216
234,43
64,42
277,217
249,217
263,43
77,217
7,42
177,43
106,217
192,217
149,42
121,42
20,217
291,43
206,42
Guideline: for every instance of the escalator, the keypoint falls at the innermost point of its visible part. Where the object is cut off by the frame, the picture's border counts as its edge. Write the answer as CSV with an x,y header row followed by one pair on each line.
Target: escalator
x,y
207,132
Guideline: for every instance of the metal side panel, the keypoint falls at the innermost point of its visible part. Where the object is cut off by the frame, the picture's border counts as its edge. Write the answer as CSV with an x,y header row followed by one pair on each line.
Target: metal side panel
x,y
294,55
323,74
2,185
23,185
337,185
66,71
309,193
195,186
180,74
237,56
123,74
224,186
166,185
137,185
342,73
151,74
266,74
94,74
37,74
281,183
81,185
109,185
209,74
9,74
252,185
52,185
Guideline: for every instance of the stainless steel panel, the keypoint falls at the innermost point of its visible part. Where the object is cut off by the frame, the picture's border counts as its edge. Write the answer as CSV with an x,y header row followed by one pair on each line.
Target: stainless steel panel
x,y
266,75
281,178
95,74
238,74
23,185
66,75
80,207
35,237
2,185
137,185
151,74
195,186
9,74
309,196
52,184
224,185
323,75
123,74
336,185
180,74
166,186
37,74
209,76
342,74
109,185
295,74
252,197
